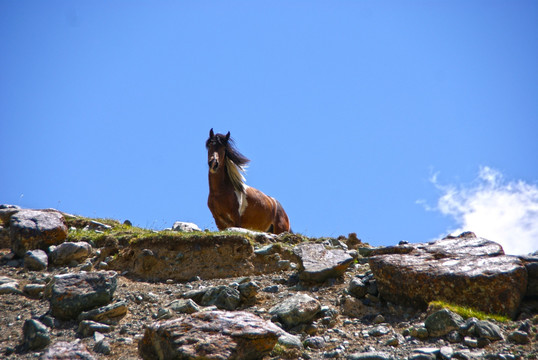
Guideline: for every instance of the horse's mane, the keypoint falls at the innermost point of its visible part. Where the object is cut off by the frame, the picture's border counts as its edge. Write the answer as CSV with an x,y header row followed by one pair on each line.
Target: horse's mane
x,y
236,163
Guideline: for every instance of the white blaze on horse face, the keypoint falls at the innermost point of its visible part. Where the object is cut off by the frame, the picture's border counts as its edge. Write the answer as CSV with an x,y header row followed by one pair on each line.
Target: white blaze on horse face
x,y
242,200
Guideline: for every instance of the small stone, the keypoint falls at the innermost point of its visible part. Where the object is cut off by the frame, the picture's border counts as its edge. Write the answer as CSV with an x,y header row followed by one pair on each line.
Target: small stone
x,y
33,291
273,289
379,319
36,260
357,288
109,314
223,297
70,253
248,290
290,341
470,342
298,309
446,352
379,331
519,337
88,328
102,347
35,335
315,342
185,227
184,306
442,322
10,288
370,355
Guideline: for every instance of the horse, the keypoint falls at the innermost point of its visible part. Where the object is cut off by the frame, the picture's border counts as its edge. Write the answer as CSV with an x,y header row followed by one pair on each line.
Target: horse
x,y
232,202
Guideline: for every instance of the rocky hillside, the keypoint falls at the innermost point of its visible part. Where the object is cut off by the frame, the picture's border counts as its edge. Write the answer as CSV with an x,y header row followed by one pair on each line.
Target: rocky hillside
x,y
79,288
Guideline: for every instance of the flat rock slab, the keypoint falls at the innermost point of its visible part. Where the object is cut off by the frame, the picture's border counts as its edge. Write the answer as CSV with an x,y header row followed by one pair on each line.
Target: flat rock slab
x,y
319,263
210,335
207,256
443,270
36,229
71,294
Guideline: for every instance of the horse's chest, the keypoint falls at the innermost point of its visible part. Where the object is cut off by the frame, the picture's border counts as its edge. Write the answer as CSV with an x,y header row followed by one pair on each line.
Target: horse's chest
x,y
227,209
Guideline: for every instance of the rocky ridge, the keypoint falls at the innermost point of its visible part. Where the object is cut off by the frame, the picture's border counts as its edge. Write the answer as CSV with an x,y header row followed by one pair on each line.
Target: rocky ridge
x,y
73,287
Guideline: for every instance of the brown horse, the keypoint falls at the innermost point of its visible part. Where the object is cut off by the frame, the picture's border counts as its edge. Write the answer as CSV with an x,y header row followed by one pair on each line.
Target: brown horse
x,y
231,201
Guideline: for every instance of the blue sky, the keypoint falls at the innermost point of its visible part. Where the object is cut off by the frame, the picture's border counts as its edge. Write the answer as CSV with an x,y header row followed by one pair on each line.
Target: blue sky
x,y
358,116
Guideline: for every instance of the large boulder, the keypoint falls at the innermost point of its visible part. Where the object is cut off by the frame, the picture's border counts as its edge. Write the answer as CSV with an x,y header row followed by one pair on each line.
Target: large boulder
x,y
531,264
465,270
71,294
36,229
318,263
210,335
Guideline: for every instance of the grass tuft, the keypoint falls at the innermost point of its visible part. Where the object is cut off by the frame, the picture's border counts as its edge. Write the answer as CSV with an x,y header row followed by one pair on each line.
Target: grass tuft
x,y
467,312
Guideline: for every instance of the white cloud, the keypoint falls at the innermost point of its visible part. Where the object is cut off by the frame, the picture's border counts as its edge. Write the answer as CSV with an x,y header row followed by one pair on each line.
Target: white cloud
x,y
493,208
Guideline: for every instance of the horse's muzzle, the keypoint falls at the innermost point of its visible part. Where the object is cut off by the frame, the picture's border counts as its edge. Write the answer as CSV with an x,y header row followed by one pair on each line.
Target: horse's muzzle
x,y
213,165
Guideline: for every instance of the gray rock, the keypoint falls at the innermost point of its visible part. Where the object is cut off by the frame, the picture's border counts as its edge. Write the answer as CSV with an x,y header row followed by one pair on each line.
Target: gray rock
x,y
272,289
519,337
67,350
183,306
210,335
109,314
87,328
442,322
298,309
35,335
357,288
36,260
97,226
290,341
420,332
223,297
318,264
195,295
248,290
72,293
446,352
32,229
185,227
370,355
102,346
487,330
33,291
470,342
315,342
379,331
10,288
68,252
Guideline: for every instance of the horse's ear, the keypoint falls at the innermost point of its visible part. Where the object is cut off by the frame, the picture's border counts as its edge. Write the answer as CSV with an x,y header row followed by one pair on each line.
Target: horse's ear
x,y
228,136
211,133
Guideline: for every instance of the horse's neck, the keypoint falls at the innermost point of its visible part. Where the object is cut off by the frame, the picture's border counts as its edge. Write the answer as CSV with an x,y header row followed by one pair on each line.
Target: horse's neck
x,y
219,182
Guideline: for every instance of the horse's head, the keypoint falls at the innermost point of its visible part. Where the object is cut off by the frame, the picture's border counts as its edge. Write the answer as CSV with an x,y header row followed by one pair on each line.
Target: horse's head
x,y
216,150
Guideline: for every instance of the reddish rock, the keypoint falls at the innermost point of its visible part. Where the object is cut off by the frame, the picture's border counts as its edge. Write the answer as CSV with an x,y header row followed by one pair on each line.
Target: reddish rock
x,y
465,270
210,335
